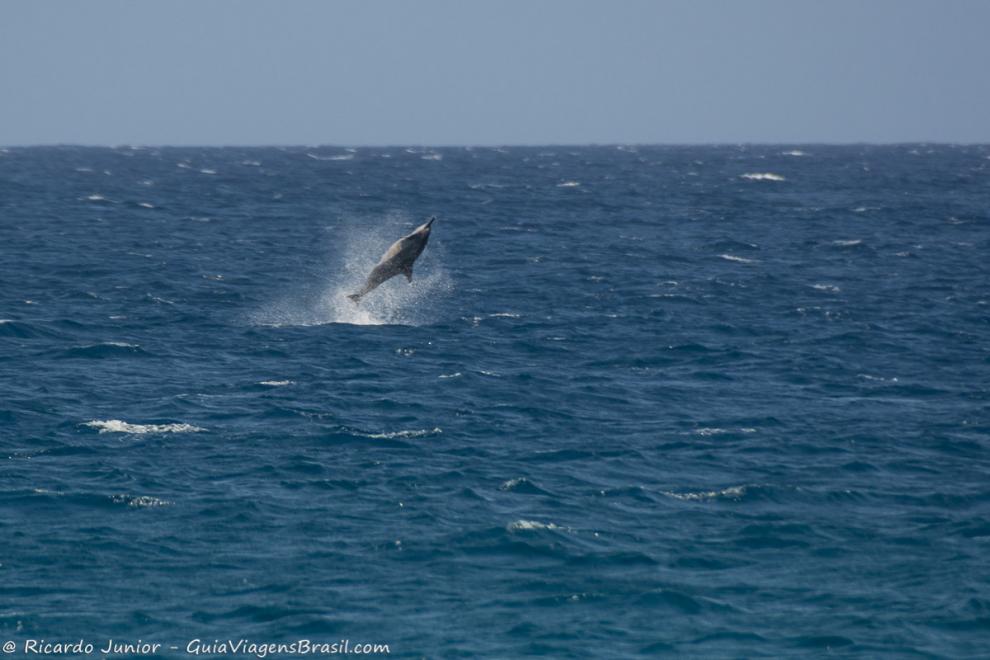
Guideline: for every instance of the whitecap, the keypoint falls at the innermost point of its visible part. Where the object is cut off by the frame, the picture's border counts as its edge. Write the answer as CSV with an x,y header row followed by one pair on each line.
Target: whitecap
x,y
146,205
847,243
504,315
338,157
456,374
140,501
276,383
742,260
569,184
762,176
831,288
96,198
207,171
432,157
734,492
710,431
389,435
878,378
529,525
118,426
794,152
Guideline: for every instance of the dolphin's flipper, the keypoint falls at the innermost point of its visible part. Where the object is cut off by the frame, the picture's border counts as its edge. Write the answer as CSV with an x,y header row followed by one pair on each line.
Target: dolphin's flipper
x,y
408,273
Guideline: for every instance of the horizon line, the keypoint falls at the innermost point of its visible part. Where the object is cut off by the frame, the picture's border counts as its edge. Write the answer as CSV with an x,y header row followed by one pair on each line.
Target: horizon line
x,y
491,145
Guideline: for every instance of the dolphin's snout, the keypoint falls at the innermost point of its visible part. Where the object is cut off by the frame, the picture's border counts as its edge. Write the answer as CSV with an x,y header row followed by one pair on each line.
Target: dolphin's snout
x,y
430,221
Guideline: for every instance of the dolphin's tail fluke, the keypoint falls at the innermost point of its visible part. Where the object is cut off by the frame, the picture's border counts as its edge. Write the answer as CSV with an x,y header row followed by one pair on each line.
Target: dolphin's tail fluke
x,y
356,297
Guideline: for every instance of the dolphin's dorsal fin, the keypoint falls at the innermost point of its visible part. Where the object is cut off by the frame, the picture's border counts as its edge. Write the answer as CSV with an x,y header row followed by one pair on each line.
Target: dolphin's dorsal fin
x,y
407,271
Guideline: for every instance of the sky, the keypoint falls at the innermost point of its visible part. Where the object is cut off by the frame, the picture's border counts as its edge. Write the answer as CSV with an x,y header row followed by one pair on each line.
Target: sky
x,y
493,72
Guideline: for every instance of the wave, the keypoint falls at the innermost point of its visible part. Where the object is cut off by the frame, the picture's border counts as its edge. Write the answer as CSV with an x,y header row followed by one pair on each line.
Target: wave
x,y
742,260
530,525
391,435
762,176
118,426
339,157
569,184
710,431
732,492
276,383
107,349
140,501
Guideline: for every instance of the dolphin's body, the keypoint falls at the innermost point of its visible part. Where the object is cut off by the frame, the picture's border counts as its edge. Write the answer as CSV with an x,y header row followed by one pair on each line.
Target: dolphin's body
x,y
398,259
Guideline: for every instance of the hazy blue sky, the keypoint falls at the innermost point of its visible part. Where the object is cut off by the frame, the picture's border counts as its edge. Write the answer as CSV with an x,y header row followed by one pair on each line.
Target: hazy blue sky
x,y
493,72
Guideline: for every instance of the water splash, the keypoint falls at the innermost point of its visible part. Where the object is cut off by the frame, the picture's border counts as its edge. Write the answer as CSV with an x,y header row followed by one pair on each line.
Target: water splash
x,y
355,253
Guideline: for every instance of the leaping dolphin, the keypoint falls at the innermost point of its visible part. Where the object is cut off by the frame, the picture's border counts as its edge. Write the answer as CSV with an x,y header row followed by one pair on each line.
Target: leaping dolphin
x,y
398,259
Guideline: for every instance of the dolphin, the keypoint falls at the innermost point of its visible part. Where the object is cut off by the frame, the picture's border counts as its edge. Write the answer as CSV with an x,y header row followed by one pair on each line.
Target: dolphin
x,y
398,259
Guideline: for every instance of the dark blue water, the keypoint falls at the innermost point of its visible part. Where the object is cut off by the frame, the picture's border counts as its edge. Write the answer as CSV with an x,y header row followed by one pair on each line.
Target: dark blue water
x,y
706,402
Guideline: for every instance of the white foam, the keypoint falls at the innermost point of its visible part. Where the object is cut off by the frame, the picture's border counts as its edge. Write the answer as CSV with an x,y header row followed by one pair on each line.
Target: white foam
x,y
140,501
276,383
145,205
848,243
742,260
733,492
389,435
504,315
569,184
96,198
831,288
338,157
794,152
529,525
432,157
118,426
763,176
207,171
456,374
710,431
879,378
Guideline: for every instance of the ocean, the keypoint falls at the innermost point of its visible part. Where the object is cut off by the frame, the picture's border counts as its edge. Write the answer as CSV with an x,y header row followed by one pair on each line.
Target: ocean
x,y
726,401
